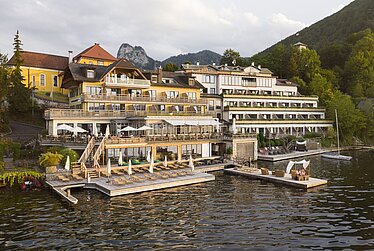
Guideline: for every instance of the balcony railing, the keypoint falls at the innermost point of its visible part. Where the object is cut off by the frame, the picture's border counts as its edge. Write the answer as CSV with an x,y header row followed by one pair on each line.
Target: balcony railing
x,y
114,140
127,82
78,113
147,99
243,107
263,95
281,120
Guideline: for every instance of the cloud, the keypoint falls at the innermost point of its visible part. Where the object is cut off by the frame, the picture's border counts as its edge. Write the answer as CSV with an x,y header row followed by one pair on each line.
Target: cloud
x,y
162,27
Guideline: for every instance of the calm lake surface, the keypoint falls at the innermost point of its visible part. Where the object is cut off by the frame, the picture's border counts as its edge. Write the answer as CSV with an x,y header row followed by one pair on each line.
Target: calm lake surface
x,y
230,213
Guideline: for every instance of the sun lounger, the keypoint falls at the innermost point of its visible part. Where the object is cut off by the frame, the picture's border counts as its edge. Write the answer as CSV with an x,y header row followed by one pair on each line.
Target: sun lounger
x,y
62,178
77,177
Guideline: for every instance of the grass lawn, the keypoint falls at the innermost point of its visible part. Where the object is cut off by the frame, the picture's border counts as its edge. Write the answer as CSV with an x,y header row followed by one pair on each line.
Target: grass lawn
x,y
58,97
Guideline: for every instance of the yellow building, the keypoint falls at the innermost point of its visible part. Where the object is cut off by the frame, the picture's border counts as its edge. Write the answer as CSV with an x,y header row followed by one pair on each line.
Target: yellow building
x,y
43,71
94,55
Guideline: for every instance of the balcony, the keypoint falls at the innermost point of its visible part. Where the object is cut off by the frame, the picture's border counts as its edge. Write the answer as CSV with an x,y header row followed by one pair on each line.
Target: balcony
x,y
248,94
125,82
272,108
126,98
284,121
113,114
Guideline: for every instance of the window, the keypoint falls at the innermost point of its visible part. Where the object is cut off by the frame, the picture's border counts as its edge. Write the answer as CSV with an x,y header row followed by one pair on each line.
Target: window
x,y
94,90
100,62
172,94
55,81
33,80
211,105
191,95
42,79
212,91
152,94
90,73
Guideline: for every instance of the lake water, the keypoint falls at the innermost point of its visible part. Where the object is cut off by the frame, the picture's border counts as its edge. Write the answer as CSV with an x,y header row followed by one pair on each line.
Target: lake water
x,y
230,213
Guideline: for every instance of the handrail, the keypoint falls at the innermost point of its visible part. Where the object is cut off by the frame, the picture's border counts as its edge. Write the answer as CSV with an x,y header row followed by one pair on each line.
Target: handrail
x,y
127,97
98,153
87,151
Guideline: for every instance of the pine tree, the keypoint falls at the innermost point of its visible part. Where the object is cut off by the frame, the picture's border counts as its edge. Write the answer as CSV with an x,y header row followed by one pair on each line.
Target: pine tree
x,y
19,94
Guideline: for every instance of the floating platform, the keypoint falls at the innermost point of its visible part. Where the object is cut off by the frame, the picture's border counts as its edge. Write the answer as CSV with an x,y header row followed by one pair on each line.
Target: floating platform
x,y
102,185
279,157
286,180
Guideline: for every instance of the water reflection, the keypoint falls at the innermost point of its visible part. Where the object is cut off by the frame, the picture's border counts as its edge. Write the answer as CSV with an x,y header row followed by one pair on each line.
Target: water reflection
x,y
230,213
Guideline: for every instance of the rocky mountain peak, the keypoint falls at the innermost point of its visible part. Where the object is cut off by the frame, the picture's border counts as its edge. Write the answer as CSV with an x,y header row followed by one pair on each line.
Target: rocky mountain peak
x,y
137,56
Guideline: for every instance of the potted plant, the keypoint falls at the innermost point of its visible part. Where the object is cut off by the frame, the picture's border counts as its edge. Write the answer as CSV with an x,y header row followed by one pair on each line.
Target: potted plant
x,y
50,161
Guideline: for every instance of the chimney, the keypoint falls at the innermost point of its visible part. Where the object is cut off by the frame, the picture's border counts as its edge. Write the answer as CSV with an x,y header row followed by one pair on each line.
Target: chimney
x,y
253,64
159,74
197,63
70,58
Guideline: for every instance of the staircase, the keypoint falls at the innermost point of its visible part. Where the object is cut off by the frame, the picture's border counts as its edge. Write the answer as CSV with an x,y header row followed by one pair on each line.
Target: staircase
x,y
96,157
92,173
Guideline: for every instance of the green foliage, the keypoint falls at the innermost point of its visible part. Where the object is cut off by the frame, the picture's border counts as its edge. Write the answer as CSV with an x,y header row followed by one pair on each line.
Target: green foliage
x,y
50,159
11,177
2,166
19,95
170,67
232,57
73,155
229,150
351,120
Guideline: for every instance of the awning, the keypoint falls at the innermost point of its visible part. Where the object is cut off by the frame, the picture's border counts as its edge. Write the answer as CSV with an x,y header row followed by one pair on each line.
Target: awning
x,y
195,122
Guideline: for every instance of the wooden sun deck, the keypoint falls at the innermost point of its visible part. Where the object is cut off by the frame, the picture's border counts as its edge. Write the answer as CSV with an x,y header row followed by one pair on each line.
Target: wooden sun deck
x,y
144,183
286,180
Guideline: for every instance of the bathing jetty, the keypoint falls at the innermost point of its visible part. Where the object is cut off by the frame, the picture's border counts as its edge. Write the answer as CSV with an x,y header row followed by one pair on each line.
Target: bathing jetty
x,y
286,180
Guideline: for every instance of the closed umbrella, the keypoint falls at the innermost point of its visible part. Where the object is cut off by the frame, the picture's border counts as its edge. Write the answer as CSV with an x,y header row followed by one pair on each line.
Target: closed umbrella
x,y
129,170
67,164
120,157
190,163
108,168
234,129
166,161
151,165
148,156
107,132
179,158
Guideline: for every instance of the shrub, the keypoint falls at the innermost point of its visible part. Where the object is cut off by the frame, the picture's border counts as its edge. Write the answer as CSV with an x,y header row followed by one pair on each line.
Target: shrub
x,y
229,150
73,155
50,159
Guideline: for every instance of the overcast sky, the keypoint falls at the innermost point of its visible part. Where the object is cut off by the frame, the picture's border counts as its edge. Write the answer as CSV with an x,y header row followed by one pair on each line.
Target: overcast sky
x,y
162,27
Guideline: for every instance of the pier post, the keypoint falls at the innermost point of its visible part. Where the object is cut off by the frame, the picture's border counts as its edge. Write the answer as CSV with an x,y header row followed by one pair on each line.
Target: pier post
x,y
68,193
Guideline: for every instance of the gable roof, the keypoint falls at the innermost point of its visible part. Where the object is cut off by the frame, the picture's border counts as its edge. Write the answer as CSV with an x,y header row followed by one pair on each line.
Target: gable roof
x,y
78,73
42,60
96,52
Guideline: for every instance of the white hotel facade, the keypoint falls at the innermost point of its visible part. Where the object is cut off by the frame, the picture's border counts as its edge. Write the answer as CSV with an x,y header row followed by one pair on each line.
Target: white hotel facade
x,y
253,100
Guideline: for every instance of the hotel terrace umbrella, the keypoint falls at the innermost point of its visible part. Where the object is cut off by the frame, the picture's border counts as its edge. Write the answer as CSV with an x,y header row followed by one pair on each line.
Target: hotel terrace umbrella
x,y
129,170
144,128
148,156
107,132
166,161
108,169
78,129
128,129
64,127
120,157
190,163
151,165
67,163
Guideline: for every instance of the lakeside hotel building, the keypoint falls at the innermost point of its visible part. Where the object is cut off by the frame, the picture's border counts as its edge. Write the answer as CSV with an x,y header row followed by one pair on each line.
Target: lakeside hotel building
x,y
252,100
150,112
199,111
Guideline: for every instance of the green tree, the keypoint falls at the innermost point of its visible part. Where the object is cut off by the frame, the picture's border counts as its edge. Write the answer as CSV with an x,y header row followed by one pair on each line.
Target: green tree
x,y
231,57
359,69
19,94
352,121
170,67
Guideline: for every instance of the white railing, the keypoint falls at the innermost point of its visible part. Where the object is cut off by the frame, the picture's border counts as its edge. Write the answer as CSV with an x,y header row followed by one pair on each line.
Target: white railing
x,y
114,80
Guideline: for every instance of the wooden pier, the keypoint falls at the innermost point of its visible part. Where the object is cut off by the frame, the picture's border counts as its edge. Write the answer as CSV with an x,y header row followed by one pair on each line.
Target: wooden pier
x,y
286,180
63,188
